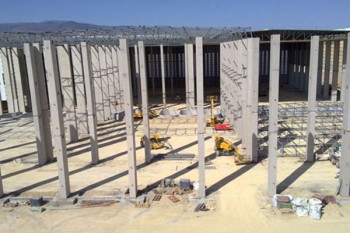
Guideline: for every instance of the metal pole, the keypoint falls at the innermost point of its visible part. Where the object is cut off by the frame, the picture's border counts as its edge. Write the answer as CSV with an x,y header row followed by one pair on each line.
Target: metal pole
x,y
57,117
312,93
273,113
200,115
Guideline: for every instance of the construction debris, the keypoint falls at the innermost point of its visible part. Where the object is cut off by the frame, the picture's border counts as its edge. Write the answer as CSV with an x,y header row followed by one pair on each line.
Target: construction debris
x,y
201,207
173,198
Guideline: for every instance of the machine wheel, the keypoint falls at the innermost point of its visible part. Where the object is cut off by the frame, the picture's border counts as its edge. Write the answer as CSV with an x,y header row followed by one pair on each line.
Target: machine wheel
x,y
217,152
333,160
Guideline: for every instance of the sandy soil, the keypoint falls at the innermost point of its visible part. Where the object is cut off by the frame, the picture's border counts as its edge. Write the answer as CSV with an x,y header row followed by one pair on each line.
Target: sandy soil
x,y
236,194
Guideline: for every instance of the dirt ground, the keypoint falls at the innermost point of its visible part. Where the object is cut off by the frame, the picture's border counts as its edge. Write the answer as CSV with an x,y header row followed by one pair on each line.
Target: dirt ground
x,y
237,198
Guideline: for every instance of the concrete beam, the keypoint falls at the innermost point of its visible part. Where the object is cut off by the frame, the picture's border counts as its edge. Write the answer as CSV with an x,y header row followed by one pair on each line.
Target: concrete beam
x,y
36,104
334,94
105,84
162,68
200,116
65,64
57,117
97,83
125,75
144,92
79,90
90,97
273,113
344,178
312,93
6,61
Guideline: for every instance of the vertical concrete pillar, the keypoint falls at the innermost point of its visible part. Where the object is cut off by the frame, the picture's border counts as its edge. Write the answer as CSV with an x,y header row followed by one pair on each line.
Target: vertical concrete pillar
x,y
1,186
171,62
312,93
104,79
344,178
16,55
343,83
124,68
190,76
152,71
320,73
244,89
6,61
79,90
57,117
116,77
327,71
90,97
36,104
138,80
44,99
65,64
144,91
200,115
334,94
273,113
12,80
162,69
111,85
252,97
95,60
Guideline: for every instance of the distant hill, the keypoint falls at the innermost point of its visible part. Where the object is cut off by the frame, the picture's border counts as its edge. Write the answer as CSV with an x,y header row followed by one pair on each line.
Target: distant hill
x,y
46,26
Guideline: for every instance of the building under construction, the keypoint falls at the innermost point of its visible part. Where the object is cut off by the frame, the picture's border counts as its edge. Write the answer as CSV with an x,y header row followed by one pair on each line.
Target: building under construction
x,y
282,92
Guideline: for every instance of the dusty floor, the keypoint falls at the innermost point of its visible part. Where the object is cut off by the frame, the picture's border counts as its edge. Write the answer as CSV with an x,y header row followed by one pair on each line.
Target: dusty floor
x,y
236,194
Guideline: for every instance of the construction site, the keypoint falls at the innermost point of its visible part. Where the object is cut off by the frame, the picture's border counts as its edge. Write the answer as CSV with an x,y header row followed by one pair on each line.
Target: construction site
x,y
136,129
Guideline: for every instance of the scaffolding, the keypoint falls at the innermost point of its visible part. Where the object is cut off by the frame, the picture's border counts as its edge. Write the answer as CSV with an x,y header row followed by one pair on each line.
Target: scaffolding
x,y
292,126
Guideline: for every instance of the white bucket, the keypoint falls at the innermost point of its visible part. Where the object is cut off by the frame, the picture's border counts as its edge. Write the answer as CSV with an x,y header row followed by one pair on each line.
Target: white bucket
x,y
195,186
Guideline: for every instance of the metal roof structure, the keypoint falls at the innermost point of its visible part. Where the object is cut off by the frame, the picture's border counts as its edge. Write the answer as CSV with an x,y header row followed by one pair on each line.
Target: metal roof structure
x,y
150,35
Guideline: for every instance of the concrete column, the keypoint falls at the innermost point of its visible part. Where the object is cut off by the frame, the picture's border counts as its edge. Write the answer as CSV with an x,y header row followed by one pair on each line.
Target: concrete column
x,y
138,80
327,71
152,70
65,64
252,97
116,77
104,79
79,90
334,95
312,92
6,61
343,85
144,91
162,68
190,76
200,116
124,68
244,89
36,104
1,186
273,114
111,85
320,73
344,178
97,83
171,61
90,97
57,118
44,100
16,55
12,80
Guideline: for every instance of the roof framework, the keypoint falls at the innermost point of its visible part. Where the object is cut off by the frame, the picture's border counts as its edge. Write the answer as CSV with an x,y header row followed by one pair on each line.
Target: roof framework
x,y
150,35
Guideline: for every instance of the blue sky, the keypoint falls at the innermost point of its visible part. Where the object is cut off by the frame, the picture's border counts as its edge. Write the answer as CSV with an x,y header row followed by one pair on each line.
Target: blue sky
x,y
258,14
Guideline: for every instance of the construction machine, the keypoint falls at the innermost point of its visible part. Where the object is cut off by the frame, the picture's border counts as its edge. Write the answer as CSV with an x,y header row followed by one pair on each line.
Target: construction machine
x,y
225,147
138,114
156,142
213,119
